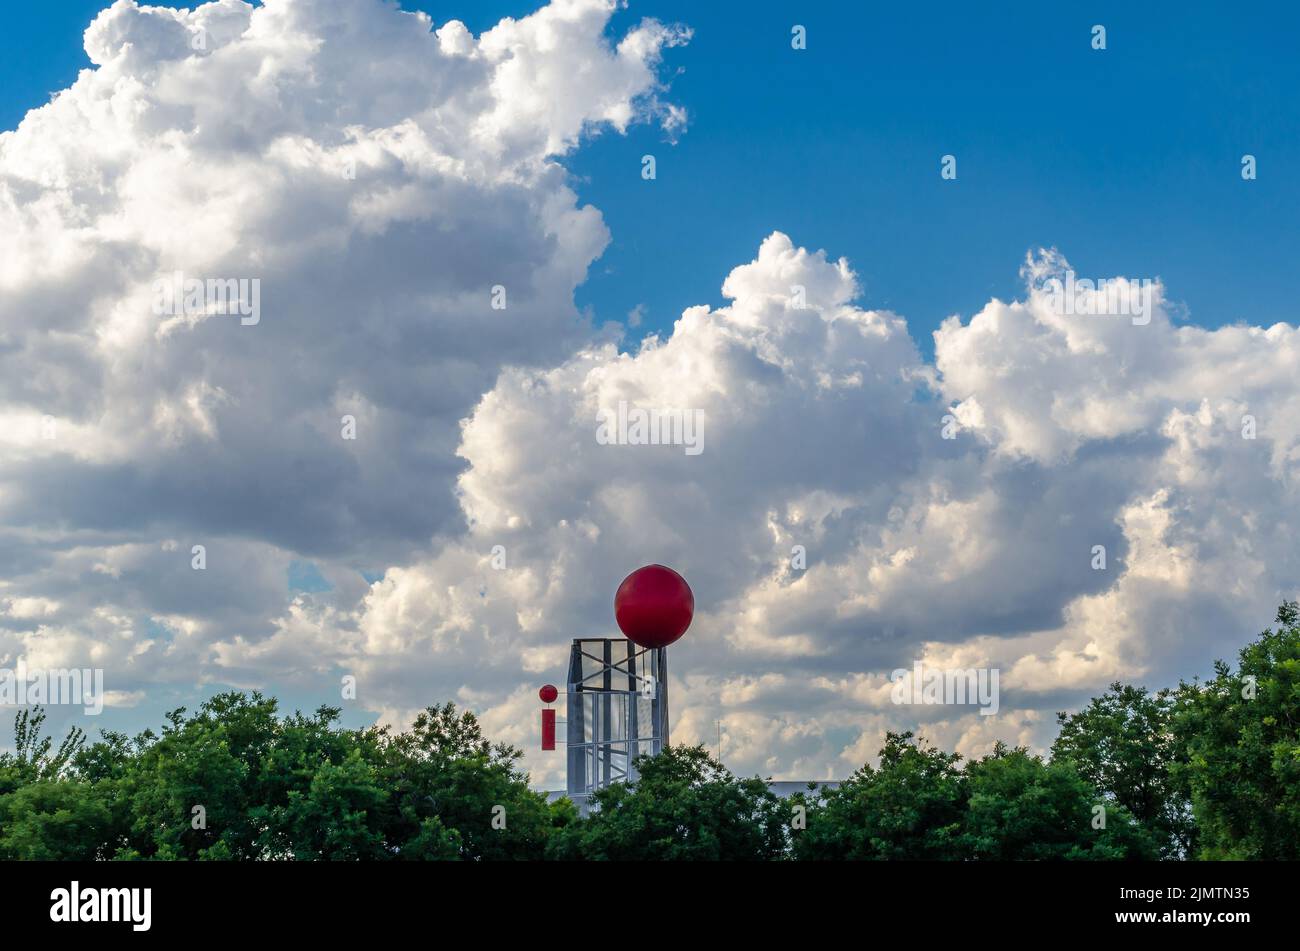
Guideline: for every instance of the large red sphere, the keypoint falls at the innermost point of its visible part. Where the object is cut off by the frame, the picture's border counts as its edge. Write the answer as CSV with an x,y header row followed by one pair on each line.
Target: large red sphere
x,y
654,606
548,693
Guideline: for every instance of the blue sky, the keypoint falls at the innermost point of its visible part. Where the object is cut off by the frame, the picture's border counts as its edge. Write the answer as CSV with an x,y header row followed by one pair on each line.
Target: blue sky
x,y
1126,159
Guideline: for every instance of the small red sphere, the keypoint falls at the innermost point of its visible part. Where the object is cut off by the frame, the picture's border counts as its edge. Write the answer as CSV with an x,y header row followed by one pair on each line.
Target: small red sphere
x,y
654,606
548,693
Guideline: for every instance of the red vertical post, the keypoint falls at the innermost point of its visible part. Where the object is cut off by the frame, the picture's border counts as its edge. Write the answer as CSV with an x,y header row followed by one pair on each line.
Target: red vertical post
x,y
548,729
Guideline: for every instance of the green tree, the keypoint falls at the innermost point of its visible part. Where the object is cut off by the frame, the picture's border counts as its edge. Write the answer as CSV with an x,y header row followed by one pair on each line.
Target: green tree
x,y
1021,807
683,806
445,769
44,815
197,783
318,792
335,817
1241,748
434,842
1123,744
301,787
911,807
32,758
52,819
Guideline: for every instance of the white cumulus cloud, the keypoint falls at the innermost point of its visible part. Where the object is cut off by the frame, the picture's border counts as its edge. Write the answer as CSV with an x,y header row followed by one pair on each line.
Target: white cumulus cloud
x,y
383,176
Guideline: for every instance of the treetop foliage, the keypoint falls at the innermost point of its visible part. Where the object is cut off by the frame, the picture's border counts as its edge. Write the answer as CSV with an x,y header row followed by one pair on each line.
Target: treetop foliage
x,y
1206,770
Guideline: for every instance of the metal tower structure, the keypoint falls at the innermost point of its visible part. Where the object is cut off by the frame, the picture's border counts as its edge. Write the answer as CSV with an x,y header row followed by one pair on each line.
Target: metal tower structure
x,y
617,701
617,710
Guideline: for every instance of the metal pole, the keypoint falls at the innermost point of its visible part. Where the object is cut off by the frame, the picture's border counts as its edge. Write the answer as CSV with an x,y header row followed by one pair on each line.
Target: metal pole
x,y
575,726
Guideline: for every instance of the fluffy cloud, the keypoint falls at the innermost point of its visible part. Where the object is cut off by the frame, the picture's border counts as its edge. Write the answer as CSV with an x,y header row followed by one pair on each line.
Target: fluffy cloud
x,y
823,428
380,174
